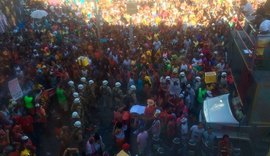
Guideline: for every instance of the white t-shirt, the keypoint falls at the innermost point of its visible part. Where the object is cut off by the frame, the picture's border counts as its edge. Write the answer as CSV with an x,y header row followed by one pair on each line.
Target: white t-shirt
x,y
196,132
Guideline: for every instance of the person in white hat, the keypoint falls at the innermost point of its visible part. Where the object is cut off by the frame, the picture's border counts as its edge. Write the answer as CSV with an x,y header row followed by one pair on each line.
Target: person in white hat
x,y
118,95
223,80
183,78
191,94
156,125
197,83
106,94
184,128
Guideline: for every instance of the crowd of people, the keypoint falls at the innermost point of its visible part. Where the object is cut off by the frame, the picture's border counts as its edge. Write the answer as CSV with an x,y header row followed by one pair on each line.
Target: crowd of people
x,y
70,65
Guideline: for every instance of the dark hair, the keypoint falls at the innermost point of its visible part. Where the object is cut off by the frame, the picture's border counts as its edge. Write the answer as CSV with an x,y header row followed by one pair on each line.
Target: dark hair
x,y
225,136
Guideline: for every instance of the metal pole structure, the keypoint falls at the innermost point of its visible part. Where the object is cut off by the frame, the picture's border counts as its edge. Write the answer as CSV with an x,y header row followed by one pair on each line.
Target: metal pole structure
x,y
97,15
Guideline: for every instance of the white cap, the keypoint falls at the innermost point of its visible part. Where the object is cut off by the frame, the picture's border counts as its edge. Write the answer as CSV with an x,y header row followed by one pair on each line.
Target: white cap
x,y
37,105
75,94
181,95
80,86
105,82
75,115
198,78
83,79
201,54
184,120
167,77
77,124
13,102
223,74
70,83
76,101
182,74
188,86
90,82
117,84
25,138
132,87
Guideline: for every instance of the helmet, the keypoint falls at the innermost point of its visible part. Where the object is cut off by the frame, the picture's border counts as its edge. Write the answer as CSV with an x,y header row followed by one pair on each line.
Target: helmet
x,y
80,86
70,83
132,87
167,77
83,79
75,94
117,84
90,82
75,115
77,124
76,101
105,82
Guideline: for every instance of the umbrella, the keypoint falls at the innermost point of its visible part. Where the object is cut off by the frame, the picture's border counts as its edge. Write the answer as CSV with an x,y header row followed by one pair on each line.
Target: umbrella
x,y
137,109
39,14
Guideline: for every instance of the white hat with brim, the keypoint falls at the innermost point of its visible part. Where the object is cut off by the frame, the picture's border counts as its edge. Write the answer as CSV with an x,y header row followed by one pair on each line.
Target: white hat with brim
x,y
223,74
167,77
182,74
184,120
198,78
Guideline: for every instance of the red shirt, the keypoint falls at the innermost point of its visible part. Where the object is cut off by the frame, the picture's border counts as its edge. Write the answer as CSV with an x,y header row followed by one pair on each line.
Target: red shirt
x,y
27,124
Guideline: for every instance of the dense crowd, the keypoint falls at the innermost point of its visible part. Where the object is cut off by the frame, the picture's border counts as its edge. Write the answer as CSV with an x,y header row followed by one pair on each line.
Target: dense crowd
x,y
71,64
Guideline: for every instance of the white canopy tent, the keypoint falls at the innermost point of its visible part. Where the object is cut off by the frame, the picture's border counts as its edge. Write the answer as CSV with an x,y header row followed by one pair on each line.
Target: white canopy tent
x,y
217,110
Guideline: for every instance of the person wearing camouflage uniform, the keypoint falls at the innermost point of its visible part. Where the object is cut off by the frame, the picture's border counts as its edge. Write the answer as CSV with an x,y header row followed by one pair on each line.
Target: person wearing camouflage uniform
x,y
106,94
117,96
